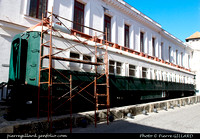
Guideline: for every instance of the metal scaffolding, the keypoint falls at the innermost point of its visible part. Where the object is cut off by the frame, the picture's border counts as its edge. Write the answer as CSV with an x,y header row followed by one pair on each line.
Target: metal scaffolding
x,y
101,97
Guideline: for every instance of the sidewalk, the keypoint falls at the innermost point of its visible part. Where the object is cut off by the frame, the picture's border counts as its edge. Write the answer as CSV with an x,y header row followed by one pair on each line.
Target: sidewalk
x,y
185,119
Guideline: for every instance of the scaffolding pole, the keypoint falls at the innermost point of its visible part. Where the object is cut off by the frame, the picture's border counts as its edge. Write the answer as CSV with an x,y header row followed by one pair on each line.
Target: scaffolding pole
x,y
106,84
48,22
70,103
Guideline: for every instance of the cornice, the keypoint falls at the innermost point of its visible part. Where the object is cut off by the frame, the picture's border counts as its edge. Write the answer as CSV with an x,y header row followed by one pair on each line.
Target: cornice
x,y
12,25
173,39
134,13
142,18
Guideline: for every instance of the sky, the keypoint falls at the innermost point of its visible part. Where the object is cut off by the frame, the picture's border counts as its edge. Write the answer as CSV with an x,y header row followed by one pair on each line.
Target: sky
x,y
180,18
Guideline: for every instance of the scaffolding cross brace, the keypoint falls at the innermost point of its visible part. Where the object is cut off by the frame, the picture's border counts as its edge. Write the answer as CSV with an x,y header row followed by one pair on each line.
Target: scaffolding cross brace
x,y
47,28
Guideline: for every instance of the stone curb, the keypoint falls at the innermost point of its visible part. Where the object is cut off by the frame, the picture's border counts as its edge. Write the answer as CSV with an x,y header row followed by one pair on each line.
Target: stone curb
x,y
62,122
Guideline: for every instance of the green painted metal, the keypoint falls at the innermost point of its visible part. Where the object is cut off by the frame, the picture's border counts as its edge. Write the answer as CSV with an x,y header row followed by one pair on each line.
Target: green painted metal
x,y
152,95
14,69
122,83
24,59
33,58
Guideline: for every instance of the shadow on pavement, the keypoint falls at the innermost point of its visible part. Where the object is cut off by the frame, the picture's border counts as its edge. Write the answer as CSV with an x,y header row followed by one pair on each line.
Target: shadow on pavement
x,y
119,126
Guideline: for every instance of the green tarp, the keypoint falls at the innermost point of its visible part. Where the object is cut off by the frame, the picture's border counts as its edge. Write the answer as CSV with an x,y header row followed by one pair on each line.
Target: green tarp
x,y
137,84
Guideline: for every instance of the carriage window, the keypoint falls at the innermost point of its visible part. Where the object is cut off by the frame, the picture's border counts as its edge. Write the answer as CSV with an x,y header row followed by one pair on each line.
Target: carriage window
x,y
87,58
162,76
100,60
74,55
166,79
151,74
119,68
115,67
111,66
155,75
144,72
170,77
132,70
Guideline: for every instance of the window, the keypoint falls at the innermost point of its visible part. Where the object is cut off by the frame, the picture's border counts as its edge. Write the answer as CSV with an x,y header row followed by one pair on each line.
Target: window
x,y
132,70
78,16
126,39
162,50
177,78
155,75
100,60
176,57
170,77
141,42
181,58
188,61
184,79
153,47
75,65
107,27
100,69
188,80
111,66
144,72
169,54
74,55
173,77
119,68
115,67
192,81
87,58
37,8
162,74
151,74
181,79
166,79
87,67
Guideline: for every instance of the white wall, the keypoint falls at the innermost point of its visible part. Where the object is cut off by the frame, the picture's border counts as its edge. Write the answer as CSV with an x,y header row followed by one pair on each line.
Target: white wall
x,y
195,66
5,57
6,35
64,9
16,14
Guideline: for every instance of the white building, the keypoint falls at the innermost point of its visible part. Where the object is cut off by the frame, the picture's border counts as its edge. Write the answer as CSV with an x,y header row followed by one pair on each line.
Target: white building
x,y
161,55
194,42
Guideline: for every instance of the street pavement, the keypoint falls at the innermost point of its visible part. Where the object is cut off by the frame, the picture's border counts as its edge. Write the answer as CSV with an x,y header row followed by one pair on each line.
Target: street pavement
x,y
185,119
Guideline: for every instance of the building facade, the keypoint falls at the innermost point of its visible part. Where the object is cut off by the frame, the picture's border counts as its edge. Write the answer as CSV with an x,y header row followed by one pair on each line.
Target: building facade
x,y
194,42
158,55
